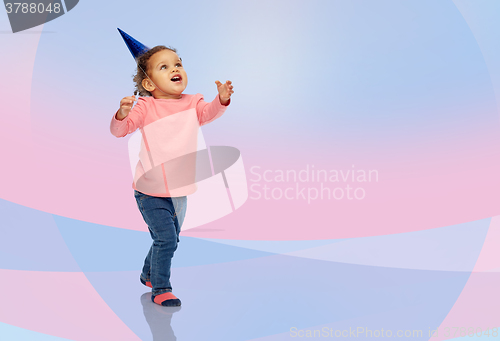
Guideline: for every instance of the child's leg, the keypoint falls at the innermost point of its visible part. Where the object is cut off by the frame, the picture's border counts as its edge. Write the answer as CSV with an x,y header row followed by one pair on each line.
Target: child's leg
x,y
180,205
158,213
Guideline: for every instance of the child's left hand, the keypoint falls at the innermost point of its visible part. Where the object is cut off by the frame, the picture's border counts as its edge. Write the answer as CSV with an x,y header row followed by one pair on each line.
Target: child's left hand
x,y
225,91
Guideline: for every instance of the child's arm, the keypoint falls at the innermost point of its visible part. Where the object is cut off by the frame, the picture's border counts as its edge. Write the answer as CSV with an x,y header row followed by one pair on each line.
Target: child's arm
x,y
126,120
207,112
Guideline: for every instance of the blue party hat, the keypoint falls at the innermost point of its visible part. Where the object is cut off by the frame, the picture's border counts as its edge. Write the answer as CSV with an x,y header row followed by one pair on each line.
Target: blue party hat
x,y
135,47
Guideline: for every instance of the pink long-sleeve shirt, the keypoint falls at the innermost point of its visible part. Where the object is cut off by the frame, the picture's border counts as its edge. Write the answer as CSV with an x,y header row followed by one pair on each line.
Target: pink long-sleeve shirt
x,y
169,128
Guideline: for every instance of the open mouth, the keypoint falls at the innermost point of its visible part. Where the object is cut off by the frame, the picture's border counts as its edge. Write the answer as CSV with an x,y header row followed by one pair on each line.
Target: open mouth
x,y
176,79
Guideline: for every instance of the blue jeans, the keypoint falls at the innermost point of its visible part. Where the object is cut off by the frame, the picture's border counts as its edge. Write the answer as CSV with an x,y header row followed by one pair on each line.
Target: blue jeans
x,y
164,217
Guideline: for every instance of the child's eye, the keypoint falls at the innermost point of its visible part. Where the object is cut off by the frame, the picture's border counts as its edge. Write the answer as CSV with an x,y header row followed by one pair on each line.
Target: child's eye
x,y
179,64
162,67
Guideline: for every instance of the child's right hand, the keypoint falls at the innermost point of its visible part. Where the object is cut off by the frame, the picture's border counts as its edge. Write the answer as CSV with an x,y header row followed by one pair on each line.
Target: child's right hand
x,y
126,105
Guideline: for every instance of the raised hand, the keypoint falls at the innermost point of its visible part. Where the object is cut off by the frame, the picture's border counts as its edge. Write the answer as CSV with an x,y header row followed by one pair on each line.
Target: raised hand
x,y
125,106
225,91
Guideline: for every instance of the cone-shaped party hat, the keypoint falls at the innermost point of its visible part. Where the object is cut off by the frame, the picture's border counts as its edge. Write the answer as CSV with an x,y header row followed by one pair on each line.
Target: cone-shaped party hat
x,y
135,47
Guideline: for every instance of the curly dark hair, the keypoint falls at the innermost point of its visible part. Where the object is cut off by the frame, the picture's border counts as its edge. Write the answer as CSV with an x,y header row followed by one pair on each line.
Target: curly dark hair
x,y
142,61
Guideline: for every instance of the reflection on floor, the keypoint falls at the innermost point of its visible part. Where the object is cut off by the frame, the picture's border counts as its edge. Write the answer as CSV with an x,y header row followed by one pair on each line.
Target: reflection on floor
x,y
158,318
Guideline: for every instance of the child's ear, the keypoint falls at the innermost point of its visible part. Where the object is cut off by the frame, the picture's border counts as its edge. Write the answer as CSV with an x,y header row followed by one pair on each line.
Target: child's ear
x,y
147,84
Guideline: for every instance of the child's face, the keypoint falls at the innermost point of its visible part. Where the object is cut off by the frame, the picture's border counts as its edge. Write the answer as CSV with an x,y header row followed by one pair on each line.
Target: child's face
x,y
166,71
